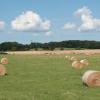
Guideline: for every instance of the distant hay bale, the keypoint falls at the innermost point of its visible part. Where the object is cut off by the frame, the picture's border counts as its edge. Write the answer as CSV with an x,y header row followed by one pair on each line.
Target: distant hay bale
x,y
87,54
2,70
74,58
85,62
71,58
80,64
4,61
68,57
91,78
77,65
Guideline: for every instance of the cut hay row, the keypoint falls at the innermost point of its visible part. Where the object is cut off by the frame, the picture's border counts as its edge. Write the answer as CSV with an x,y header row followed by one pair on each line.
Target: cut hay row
x,y
36,53
55,52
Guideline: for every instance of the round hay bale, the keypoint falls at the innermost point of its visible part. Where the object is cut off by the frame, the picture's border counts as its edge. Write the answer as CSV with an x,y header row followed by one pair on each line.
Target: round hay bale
x,y
4,61
85,62
91,78
2,70
68,57
77,65
74,58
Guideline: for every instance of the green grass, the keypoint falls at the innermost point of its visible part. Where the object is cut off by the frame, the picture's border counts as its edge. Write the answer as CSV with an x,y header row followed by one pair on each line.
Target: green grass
x,y
46,78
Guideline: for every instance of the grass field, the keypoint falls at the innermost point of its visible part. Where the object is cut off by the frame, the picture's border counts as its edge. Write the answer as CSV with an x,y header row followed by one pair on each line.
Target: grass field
x,y
45,77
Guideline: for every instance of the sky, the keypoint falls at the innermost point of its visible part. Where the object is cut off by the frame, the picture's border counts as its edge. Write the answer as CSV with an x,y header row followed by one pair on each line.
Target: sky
x,y
26,21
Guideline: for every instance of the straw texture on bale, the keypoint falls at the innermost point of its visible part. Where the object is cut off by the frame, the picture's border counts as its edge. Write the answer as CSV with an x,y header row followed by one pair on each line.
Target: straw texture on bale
x,y
85,62
77,65
4,61
2,70
91,78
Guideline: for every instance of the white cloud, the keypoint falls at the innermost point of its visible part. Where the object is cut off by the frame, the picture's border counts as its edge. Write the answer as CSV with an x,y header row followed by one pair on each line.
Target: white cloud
x,y
2,24
86,17
83,11
30,21
69,26
49,33
87,21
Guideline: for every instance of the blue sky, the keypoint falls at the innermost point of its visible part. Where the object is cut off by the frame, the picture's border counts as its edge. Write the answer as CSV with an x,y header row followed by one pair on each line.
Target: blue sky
x,y
49,20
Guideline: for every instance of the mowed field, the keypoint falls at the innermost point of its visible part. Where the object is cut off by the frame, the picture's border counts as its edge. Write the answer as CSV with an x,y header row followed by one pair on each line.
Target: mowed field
x,y
47,77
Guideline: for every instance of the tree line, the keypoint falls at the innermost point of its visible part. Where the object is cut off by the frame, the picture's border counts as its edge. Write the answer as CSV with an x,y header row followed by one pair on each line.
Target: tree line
x,y
69,44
